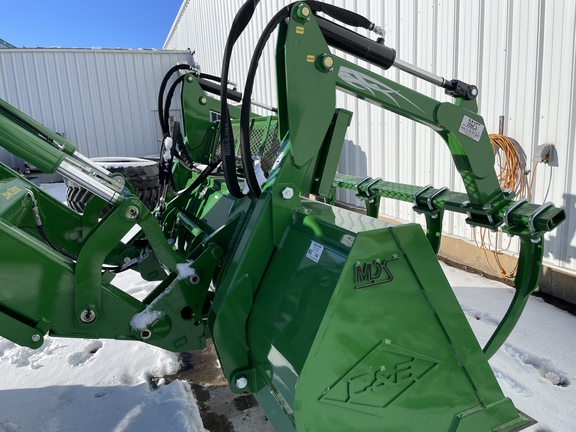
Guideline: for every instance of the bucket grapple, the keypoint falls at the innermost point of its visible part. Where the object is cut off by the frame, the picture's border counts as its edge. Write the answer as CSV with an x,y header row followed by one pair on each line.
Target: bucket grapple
x,y
334,320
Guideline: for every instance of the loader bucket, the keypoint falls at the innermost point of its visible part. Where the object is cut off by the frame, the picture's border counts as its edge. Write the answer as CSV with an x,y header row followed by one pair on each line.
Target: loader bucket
x,y
355,327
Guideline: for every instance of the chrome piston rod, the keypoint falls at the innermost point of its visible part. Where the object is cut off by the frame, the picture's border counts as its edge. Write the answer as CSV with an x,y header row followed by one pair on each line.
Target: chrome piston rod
x,y
104,191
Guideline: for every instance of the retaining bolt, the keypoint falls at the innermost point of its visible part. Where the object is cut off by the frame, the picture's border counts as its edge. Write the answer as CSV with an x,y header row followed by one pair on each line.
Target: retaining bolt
x,y
241,382
303,13
87,316
132,212
287,193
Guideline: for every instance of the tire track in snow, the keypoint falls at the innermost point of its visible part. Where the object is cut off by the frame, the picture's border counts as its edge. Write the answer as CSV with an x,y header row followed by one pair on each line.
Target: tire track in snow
x,y
543,366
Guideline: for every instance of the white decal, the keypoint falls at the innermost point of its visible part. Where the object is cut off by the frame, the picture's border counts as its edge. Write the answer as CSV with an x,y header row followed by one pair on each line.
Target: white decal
x,y
315,251
364,82
471,128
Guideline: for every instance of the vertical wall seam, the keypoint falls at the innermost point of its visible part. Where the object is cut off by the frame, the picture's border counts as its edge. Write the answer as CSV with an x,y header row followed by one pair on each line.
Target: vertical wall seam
x,y
415,35
508,62
455,59
434,66
480,57
538,76
563,233
397,121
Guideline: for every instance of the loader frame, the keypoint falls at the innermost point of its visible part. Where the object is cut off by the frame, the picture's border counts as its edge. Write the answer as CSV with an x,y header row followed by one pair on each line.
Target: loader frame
x,y
220,260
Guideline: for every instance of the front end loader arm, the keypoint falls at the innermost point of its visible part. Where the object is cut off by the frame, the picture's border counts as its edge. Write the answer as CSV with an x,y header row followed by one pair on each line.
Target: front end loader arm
x,y
58,266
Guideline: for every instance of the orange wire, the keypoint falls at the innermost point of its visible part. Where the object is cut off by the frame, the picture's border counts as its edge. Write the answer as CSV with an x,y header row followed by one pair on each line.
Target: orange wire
x,y
511,175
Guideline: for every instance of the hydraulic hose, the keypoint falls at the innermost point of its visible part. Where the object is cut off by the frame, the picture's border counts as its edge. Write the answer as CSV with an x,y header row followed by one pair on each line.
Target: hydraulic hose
x,y
335,12
169,95
165,165
200,179
40,227
245,151
173,69
240,22
343,15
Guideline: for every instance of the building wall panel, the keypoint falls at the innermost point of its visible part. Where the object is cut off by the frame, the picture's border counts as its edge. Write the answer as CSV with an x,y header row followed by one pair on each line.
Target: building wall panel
x,y
521,55
103,101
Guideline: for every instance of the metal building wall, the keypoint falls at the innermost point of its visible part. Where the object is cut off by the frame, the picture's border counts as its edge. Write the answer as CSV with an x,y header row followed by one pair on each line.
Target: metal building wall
x,y
103,101
522,56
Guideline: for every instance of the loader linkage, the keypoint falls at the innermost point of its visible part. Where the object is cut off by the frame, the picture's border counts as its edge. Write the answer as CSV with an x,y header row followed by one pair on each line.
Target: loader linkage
x,y
334,320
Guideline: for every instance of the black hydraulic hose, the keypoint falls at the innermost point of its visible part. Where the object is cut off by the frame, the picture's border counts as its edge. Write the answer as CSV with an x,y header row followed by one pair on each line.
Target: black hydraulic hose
x,y
335,12
210,77
203,176
343,15
40,227
246,104
240,22
52,245
169,97
161,94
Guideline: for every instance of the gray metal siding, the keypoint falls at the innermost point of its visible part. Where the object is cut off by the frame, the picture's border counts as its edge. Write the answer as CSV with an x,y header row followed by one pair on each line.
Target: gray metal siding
x,y
521,54
103,101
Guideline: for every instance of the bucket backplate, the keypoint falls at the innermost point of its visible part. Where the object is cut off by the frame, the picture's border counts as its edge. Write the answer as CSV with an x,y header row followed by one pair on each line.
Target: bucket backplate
x,y
355,327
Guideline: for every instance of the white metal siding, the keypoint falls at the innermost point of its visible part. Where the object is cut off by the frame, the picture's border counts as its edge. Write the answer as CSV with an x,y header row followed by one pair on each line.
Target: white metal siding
x,y
521,54
104,101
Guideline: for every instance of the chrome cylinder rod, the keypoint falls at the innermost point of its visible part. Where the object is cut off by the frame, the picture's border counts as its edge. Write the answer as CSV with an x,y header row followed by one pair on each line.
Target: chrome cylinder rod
x,y
72,172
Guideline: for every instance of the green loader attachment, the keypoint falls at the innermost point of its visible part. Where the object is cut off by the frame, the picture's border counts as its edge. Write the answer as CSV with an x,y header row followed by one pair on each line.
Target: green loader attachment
x,y
334,320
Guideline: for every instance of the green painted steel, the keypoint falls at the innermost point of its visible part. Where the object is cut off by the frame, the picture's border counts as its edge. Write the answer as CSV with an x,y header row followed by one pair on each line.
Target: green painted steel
x,y
430,200
28,122
395,363
334,320
42,155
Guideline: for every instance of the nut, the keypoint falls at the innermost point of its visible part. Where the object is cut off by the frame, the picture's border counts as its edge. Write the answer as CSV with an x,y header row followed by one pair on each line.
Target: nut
x,y
287,193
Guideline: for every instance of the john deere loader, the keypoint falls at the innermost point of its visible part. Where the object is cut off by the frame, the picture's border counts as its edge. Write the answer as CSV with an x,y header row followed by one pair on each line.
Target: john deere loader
x,y
334,320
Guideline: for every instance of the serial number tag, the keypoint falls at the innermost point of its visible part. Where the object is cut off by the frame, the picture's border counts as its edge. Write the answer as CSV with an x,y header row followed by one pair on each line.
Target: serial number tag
x,y
471,128
315,251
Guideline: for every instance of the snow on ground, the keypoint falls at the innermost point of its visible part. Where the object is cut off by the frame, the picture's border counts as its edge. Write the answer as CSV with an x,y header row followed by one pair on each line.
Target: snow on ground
x,y
103,385
536,366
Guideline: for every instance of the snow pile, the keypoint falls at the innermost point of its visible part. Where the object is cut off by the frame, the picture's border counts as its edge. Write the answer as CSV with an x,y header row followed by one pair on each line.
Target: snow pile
x,y
74,384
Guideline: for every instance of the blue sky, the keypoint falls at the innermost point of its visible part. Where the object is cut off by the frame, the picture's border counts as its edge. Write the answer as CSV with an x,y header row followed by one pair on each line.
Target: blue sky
x,y
104,23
